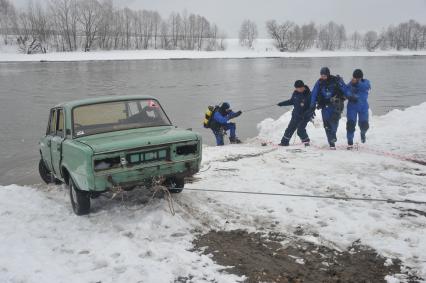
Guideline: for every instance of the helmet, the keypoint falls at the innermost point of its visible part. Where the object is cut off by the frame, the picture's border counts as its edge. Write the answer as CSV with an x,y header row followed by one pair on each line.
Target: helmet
x,y
225,106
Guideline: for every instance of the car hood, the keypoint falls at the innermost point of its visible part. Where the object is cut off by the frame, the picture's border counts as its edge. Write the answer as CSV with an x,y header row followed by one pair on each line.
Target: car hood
x,y
136,138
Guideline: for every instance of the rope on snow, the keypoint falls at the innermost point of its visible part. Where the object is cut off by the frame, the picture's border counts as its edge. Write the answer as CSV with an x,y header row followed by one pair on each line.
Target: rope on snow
x,y
310,196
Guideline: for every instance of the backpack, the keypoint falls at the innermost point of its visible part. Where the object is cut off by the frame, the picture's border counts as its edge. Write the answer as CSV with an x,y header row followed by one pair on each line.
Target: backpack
x,y
338,97
208,116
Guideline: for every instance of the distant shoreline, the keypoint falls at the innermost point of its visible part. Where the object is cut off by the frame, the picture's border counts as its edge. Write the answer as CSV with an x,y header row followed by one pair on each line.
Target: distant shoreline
x,y
128,55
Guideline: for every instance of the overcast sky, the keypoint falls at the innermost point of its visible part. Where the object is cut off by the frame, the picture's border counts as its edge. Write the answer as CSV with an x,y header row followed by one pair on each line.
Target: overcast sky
x,y
360,15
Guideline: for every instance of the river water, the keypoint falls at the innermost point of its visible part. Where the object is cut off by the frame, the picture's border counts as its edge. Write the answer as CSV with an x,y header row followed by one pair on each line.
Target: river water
x,y
185,88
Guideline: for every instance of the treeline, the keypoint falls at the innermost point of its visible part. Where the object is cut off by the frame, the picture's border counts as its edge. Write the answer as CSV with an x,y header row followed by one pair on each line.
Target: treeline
x,y
69,25
289,36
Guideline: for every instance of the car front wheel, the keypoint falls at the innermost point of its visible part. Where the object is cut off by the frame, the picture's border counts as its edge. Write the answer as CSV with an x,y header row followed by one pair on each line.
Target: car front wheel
x,y
80,200
175,185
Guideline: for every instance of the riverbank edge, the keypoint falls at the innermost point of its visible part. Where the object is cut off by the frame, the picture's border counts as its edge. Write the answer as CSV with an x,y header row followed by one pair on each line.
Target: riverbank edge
x,y
189,55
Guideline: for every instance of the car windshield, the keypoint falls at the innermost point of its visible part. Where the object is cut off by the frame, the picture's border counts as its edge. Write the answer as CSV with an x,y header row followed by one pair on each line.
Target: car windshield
x,y
118,115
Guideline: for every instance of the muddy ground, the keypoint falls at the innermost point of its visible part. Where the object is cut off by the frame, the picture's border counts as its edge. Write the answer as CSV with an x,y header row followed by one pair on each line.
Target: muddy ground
x,y
263,258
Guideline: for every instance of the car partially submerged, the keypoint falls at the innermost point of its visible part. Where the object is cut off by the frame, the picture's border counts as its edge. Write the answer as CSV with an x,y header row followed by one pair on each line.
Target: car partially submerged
x,y
115,143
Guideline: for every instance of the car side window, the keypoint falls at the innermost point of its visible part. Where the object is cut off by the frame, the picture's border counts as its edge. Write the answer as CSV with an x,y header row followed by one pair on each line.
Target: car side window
x,y
60,123
52,123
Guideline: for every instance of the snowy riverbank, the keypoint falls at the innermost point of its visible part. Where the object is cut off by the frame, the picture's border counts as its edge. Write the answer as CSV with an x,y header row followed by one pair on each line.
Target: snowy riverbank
x,y
262,49
133,239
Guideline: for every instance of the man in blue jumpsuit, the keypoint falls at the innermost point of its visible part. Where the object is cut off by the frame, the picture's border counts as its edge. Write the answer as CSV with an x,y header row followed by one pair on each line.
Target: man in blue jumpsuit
x,y
357,107
220,124
328,95
301,115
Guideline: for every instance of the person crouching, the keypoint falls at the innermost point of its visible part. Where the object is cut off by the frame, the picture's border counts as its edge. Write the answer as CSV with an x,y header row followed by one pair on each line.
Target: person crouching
x,y
301,115
220,124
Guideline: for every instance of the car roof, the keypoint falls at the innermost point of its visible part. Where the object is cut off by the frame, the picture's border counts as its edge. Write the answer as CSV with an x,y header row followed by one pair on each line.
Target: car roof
x,y
101,99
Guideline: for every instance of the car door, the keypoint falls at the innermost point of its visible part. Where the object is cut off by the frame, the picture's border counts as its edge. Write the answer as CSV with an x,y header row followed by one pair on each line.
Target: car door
x,y
56,142
45,142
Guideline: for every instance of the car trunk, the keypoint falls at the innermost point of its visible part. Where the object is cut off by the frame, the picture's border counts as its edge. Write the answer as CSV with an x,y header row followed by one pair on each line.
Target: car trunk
x,y
136,138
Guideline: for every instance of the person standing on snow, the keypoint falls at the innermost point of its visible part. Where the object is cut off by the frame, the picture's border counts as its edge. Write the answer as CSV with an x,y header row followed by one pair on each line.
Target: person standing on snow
x,y
220,124
328,95
357,106
301,115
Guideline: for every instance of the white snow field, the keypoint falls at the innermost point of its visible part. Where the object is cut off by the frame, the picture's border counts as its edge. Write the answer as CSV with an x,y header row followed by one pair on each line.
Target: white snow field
x,y
132,239
263,48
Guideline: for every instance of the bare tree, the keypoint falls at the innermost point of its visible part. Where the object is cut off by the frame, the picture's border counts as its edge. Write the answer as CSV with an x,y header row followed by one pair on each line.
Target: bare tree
x,y
165,43
331,36
90,17
68,25
156,24
7,19
105,27
248,33
301,38
371,41
280,33
309,34
64,14
40,26
356,40
34,30
212,38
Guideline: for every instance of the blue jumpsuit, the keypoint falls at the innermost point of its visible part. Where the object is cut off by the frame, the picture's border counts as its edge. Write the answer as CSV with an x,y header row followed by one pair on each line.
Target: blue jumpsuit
x,y
330,94
221,122
300,116
357,109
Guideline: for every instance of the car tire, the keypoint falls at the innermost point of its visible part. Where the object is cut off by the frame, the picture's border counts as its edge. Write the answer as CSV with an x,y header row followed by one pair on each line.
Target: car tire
x,y
175,185
45,173
80,200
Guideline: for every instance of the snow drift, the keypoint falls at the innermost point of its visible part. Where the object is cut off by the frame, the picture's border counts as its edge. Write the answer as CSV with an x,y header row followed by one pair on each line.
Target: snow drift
x,y
137,239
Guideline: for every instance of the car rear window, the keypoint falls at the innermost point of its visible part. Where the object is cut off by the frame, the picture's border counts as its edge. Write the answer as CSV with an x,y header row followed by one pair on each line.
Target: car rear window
x,y
118,115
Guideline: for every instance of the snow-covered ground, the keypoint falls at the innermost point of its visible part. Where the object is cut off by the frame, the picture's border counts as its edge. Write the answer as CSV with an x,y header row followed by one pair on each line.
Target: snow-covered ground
x,y
263,48
135,240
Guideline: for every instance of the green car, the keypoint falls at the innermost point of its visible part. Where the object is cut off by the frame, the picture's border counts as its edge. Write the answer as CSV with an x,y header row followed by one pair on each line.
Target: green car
x,y
113,144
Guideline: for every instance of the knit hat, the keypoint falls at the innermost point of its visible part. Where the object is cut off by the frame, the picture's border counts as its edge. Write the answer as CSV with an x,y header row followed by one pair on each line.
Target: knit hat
x,y
358,74
299,83
325,71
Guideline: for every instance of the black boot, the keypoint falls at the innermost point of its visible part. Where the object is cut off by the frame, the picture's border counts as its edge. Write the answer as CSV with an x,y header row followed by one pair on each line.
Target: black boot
x,y
306,142
363,138
234,140
350,145
285,141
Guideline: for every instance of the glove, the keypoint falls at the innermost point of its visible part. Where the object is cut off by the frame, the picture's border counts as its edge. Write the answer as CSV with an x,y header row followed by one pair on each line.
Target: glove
x,y
353,99
280,104
236,114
